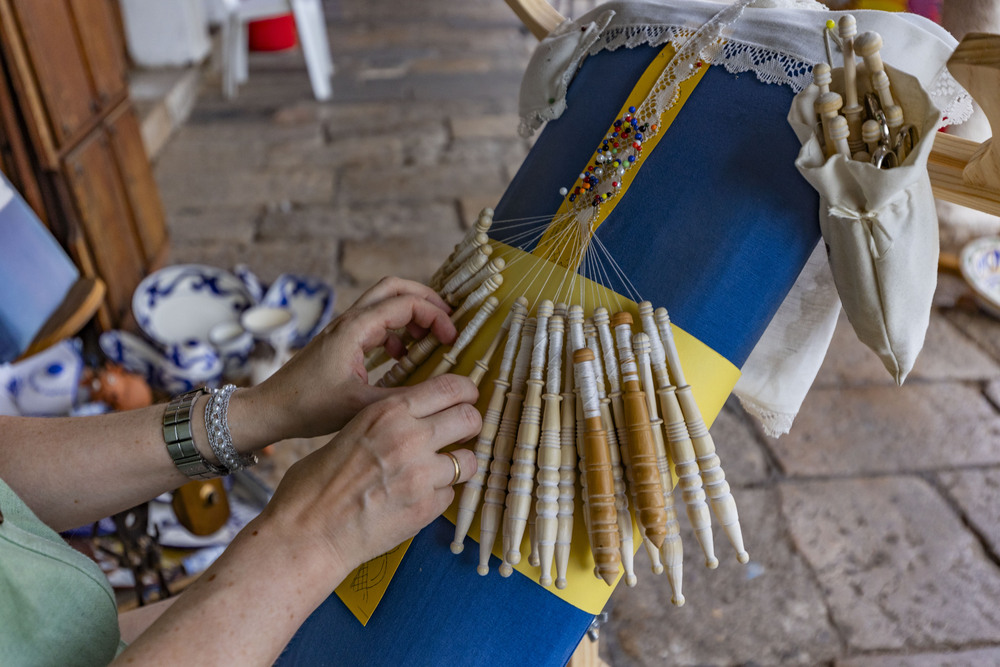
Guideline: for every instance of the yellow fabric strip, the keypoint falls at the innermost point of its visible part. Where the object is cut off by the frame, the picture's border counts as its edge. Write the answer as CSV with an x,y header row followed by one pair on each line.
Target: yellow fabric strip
x,y
563,242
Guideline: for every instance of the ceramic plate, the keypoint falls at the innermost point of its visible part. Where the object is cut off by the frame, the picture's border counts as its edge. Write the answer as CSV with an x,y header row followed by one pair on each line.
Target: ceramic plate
x,y
182,368
980,265
309,298
182,303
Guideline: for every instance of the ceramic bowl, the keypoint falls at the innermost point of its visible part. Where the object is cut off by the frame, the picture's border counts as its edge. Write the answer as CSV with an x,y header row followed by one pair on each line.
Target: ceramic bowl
x,y
274,324
310,298
181,303
235,344
980,266
46,384
250,280
178,369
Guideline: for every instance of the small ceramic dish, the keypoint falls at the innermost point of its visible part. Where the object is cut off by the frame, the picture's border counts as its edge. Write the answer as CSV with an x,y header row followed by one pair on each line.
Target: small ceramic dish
x,y
182,303
980,266
235,344
274,324
46,384
310,298
250,281
181,368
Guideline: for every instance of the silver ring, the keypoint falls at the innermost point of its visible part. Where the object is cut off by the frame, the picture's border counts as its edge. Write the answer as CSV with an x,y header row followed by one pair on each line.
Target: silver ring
x,y
458,468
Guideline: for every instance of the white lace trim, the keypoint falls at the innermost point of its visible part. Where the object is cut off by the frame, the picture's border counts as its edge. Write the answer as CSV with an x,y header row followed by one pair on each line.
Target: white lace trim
x,y
773,423
770,66
951,98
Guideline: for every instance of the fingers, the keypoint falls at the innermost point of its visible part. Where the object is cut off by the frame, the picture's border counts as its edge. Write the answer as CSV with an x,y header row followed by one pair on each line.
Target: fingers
x,y
454,467
439,394
394,345
391,286
403,311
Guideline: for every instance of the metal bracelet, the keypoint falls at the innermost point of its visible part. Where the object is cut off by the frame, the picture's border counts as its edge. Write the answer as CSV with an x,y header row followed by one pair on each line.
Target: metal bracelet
x,y
219,438
177,435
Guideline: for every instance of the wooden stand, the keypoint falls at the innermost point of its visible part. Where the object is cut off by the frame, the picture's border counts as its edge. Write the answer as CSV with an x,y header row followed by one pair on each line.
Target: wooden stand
x,y
965,172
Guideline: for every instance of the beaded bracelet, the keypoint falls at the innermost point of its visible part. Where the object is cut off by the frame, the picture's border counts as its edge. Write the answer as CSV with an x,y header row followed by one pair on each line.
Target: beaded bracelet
x,y
219,438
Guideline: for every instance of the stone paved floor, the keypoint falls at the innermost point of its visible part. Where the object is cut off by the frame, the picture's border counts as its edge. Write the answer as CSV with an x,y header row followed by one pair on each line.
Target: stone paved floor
x,y
874,527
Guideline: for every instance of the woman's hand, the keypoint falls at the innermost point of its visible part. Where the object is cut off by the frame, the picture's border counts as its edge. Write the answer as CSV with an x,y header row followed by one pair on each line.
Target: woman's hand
x,y
382,478
326,384
375,484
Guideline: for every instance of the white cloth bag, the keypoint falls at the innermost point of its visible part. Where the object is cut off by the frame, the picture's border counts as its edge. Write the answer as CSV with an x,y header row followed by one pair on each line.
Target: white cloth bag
x,y
880,228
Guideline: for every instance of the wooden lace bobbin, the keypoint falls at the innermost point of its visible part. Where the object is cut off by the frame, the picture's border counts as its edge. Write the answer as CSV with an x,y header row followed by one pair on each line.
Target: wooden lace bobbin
x,y
463,251
641,348
533,557
603,323
473,490
894,119
868,45
626,537
483,221
468,333
649,503
471,279
503,449
871,133
603,527
853,112
838,135
576,341
672,550
827,105
680,446
822,77
474,237
712,476
471,242
522,471
465,272
482,365
550,455
567,466
492,267
423,348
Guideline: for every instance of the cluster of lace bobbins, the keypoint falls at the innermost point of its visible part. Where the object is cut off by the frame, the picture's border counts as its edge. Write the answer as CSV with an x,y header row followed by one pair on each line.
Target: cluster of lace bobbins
x,y
466,282
537,431
875,132
534,446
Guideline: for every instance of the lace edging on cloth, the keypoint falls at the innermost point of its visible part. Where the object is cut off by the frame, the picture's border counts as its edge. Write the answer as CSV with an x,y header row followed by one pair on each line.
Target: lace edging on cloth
x,y
773,423
770,66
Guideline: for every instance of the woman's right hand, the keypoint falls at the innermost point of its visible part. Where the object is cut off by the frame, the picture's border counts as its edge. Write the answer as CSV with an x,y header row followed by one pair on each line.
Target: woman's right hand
x,y
382,478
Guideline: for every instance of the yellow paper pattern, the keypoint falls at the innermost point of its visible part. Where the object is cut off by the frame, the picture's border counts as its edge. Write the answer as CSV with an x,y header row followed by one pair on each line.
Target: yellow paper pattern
x,y
363,589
